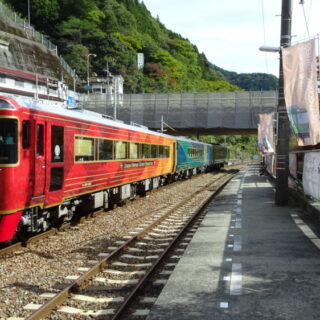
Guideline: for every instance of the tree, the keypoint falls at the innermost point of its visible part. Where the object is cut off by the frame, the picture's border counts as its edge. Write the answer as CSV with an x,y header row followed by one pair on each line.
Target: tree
x,y
78,30
78,59
116,30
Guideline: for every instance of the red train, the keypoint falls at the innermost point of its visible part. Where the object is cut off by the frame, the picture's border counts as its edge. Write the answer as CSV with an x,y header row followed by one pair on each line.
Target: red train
x,y
60,161
56,162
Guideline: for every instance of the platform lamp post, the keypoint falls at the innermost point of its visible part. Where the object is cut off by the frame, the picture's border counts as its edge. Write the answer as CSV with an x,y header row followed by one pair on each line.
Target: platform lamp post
x,y
88,69
283,127
108,87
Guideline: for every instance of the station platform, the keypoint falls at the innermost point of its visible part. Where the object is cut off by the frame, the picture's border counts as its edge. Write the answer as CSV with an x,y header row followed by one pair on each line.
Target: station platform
x,y
249,259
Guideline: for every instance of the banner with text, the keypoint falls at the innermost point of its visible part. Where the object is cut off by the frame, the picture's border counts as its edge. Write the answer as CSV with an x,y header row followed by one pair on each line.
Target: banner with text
x,y
300,91
265,133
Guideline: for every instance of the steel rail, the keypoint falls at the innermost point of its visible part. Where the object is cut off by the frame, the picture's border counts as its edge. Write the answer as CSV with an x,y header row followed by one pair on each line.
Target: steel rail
x,y
152,269
53,231
33,239
23,244
82,281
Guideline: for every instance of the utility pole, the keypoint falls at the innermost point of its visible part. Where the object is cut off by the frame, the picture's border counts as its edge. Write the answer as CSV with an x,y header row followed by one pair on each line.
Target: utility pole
x,y
115,85
29,13
283,129
161,124
88,69
108,88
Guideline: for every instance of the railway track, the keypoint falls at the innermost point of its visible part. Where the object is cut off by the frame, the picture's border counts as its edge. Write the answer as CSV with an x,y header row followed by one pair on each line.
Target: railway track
x,y
120,274
20,246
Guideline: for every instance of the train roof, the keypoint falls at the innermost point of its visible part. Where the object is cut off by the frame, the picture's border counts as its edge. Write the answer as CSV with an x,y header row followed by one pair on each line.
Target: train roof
x,y
192,141
84,115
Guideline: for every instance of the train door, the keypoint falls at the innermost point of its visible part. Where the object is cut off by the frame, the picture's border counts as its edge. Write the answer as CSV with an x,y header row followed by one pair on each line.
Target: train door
x,y
174,157
56,159
39,159
205,154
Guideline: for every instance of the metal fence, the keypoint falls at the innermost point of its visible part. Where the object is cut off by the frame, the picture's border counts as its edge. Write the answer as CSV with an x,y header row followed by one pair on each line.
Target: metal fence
x,y
37,36
65,65
14,17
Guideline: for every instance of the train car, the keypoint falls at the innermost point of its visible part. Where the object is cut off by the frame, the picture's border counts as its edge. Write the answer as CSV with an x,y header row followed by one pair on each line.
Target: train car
x,y
221,155
192,157
55,161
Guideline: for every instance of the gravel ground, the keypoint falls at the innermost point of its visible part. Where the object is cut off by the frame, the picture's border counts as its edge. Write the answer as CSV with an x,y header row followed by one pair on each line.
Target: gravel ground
x,y
42,266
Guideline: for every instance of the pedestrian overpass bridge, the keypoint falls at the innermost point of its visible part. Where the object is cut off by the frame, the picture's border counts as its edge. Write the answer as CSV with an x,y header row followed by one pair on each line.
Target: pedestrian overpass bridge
x,y
191,113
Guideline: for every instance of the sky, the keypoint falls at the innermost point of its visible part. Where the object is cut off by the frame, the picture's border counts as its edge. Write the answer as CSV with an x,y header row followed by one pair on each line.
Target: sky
x,y
230,32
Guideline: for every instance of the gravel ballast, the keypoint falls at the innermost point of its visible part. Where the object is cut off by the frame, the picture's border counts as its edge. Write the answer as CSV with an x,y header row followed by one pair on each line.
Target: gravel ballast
x,y
43,266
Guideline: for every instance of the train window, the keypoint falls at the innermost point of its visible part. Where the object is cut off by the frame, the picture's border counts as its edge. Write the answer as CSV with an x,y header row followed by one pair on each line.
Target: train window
x,y
105,149
166,152
161,152
84,149
134,150
195,153
19,83
57,142
146,151
25,134
56,179
121,149
5,105
40,132
154,151
8,141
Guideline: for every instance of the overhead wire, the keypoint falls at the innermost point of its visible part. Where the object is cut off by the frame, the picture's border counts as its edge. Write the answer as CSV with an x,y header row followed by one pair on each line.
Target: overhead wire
x,y
305,17
310,6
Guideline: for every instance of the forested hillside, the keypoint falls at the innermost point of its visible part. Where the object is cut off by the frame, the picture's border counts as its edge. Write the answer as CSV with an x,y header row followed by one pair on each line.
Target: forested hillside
x,y
249,81
116,30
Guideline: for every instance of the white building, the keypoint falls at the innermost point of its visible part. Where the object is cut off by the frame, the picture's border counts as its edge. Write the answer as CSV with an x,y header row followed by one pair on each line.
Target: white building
x,y
111,86
33,86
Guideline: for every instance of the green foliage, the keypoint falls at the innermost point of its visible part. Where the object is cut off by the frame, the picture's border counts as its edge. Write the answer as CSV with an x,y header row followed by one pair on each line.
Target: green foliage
x,y
116,30
80,31
45,12
241,146
76,8
96,16
220,86
249,81
131,42
78,59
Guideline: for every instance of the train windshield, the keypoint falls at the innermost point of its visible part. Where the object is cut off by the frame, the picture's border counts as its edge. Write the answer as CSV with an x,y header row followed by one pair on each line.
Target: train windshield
x,y
8,141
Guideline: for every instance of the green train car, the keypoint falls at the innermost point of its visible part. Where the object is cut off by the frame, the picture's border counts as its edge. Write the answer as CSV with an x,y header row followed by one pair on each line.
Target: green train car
x,y
221,155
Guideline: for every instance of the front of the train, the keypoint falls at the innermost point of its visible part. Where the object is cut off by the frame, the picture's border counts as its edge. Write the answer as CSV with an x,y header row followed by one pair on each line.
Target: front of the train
x,y
9,162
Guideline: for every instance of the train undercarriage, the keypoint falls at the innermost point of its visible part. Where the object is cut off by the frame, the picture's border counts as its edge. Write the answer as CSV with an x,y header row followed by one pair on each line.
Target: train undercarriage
x,y
36,220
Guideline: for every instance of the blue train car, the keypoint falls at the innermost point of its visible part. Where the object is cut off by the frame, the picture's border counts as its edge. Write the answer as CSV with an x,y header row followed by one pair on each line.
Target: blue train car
x,y
193,156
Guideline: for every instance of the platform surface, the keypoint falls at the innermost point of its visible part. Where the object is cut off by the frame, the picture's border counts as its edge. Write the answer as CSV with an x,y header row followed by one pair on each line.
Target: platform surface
x,y
248,260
